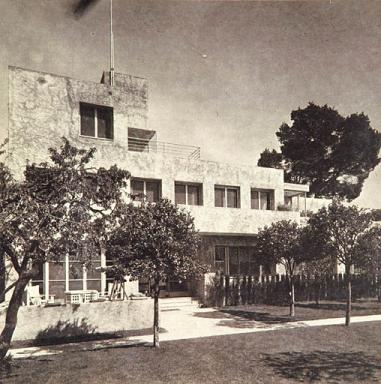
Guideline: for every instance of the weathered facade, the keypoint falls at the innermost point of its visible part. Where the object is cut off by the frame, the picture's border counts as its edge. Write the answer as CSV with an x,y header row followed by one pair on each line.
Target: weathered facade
x,y
229,203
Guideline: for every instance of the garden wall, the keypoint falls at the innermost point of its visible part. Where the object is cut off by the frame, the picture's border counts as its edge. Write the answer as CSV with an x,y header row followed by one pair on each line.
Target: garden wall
x,y
76,320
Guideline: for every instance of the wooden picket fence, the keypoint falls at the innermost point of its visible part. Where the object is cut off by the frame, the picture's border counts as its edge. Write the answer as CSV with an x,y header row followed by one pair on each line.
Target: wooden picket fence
x,y
244,290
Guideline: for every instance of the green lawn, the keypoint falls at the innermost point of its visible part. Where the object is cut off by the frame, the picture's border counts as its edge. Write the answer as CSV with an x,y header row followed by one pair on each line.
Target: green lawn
x,y
321,354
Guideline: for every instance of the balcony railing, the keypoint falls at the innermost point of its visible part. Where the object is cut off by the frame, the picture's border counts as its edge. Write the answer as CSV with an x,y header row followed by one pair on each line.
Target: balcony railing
x,y
160,147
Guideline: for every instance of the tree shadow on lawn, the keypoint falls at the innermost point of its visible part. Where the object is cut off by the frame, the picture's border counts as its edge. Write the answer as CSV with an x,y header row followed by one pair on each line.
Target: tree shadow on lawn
x,y
263,317
327,366
236,318
79,331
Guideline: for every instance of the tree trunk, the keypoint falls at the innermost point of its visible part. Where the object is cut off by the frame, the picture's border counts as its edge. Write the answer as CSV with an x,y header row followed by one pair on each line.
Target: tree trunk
x,y
2,275
156,343
292,297
11,317
317,291
349,297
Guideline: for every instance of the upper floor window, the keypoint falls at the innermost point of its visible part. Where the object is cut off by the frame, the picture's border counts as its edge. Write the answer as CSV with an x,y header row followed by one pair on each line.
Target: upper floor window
x,y
262,199
226,197
146,189
187,193
96,121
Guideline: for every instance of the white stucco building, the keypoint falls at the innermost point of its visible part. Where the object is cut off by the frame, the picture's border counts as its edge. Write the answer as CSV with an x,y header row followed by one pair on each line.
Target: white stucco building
x,y
229,203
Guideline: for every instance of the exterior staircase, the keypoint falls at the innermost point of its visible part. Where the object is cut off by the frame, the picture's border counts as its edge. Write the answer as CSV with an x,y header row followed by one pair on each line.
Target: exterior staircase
x,y
175,303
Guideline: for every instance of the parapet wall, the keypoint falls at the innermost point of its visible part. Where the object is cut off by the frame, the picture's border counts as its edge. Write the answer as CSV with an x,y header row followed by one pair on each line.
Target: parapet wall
x,y
81,319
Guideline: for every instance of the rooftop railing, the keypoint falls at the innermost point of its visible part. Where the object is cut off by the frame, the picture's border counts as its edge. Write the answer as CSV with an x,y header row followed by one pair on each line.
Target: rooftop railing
x,y
189,152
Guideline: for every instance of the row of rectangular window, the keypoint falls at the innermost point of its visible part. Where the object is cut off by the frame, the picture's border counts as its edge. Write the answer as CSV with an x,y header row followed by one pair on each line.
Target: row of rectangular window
x,y
97,121
191,194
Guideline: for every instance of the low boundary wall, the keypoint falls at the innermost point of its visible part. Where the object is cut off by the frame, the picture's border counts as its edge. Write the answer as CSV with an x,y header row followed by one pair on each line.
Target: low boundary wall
x,y
71,320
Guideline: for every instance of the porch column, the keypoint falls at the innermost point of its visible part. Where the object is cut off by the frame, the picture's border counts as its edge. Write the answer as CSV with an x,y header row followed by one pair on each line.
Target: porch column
x,y
305,201
103,274
46,280
67,276
84,278
28,293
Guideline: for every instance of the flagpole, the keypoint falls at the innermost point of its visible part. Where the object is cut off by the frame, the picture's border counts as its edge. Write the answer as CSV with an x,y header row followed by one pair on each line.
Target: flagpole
x,y
111,48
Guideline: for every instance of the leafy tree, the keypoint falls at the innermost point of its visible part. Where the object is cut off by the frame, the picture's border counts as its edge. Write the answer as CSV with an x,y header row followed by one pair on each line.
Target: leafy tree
x,y
369,245
270,159
280,243
57,209
333,154
315,266
376,214
335,232
155,241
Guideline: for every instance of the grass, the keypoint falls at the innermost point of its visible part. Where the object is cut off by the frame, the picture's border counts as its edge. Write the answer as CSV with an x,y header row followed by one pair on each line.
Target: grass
x,y
244,315
334,354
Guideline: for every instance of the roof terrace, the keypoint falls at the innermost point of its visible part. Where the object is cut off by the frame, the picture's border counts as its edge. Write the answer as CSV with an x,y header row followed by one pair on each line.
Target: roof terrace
x,y
143,140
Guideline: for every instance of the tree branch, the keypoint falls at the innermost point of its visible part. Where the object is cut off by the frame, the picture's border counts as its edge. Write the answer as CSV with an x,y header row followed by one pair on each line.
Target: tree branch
x,y
12,255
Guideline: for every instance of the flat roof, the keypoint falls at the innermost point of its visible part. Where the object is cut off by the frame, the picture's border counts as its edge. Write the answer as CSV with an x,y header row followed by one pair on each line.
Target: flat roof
x,y
297,187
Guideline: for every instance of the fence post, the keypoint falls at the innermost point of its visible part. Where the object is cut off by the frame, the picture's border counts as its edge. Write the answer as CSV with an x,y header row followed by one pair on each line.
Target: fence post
x,y
239,290
227,289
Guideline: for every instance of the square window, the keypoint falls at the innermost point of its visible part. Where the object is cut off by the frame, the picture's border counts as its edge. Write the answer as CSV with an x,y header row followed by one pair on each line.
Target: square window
x,y
262,199
146,189
226,197
96,121
190,194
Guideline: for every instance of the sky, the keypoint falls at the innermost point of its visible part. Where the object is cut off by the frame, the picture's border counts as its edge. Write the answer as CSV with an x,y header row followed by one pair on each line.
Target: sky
x,y
223,75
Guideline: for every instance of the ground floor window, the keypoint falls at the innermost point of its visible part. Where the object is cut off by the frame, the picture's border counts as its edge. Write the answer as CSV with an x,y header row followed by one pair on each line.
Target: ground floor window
x,y
66,274
236,260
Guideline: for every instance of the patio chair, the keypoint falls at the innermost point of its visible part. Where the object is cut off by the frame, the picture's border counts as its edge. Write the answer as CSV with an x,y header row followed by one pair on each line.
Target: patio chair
x,y
33,296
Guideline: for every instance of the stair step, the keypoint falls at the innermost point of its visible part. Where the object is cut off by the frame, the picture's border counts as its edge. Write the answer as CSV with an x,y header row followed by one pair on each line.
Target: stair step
x,y
177,302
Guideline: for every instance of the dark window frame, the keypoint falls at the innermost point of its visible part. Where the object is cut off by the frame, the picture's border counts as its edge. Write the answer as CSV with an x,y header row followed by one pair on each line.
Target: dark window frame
x,y
270,201
238,252
97,110
144,193
226,189
187,185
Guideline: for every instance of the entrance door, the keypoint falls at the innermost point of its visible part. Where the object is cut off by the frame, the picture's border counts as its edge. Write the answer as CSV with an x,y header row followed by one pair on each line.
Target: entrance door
x,y
175,288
